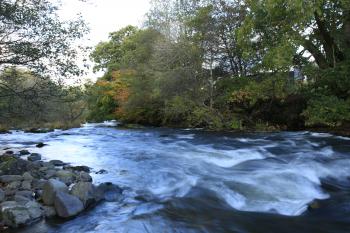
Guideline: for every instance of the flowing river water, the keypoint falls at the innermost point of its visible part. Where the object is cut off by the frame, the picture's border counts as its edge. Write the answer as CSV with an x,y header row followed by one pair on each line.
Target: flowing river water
x,y
195,181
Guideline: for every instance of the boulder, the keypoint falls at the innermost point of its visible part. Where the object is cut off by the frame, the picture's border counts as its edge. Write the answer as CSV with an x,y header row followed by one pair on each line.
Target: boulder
x,y
21,199
57,163
26,185
78,168
2,195
24,152
10,178
49,211
86,192
84,177
66,177
38,183
27,176
109,192
9,152
41,145
27,194
15,214
49,173
14,185
10,165
67,205
41,130
34,157
50,189
102,171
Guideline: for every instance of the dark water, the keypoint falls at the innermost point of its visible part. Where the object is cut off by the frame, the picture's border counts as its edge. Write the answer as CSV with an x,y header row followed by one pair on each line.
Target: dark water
x,y
195,181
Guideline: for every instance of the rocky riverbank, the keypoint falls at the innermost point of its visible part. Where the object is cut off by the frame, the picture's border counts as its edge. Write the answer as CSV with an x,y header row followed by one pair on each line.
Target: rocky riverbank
x,y
31,189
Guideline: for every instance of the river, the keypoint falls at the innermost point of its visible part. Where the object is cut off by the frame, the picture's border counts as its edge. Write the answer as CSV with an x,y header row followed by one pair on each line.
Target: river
x,y
195,181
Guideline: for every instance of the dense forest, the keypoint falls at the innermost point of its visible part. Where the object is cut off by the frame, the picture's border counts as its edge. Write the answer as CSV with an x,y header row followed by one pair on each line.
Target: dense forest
x,y
214,64
240,64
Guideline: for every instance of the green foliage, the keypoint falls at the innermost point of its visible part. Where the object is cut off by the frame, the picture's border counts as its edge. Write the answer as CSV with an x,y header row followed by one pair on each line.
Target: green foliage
x,y
328,111
32,35
101,106
204,117
27,100
227,64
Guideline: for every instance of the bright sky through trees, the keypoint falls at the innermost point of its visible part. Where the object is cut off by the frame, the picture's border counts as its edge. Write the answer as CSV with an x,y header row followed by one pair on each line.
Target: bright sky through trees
x,y
105,16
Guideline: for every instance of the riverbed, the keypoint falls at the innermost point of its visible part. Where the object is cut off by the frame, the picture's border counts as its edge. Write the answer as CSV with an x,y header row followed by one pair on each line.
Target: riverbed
x,y
179,180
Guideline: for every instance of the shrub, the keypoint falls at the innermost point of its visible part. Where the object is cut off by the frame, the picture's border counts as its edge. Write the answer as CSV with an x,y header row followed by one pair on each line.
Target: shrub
x,y
327,111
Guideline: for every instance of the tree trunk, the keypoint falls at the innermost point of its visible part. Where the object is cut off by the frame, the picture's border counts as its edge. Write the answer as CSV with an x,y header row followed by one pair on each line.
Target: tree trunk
x,y
333,53
347,29
320,60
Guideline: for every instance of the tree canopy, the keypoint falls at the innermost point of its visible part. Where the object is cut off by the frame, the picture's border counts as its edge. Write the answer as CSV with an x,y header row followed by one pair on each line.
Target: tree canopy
x,y
33,36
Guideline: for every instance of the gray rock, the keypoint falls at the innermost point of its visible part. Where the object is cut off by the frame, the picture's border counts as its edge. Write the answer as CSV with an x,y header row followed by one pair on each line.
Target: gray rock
x,y
27,176
102,171
34,157
49,211
14,166
57,163
10,178
27,194
14,185
85,191
35,210
15,214
67,205
109,192
78,168
38,184
66,177
2,195
84,177
24,196
26,185
21,199
40,145
50,189
49,173
24,152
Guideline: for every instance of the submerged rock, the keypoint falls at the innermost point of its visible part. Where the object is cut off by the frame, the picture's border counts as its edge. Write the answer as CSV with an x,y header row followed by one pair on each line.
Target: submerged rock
x,y
102,171
50,189
40,145
9,152
67,205
24,152
41,130
108,192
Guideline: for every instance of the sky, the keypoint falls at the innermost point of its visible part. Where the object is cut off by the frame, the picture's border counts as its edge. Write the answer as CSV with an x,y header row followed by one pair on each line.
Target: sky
x,y
105,16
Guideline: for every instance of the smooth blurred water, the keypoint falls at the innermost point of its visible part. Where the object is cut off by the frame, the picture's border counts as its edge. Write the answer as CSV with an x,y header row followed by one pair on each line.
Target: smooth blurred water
x,y
197,181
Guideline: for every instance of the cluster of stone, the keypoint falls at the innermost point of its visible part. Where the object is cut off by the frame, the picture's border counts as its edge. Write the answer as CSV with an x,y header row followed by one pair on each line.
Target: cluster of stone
x,y
31,189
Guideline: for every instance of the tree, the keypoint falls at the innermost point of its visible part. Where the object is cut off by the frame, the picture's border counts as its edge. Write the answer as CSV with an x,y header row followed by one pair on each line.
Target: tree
x,y
285,32
33,36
